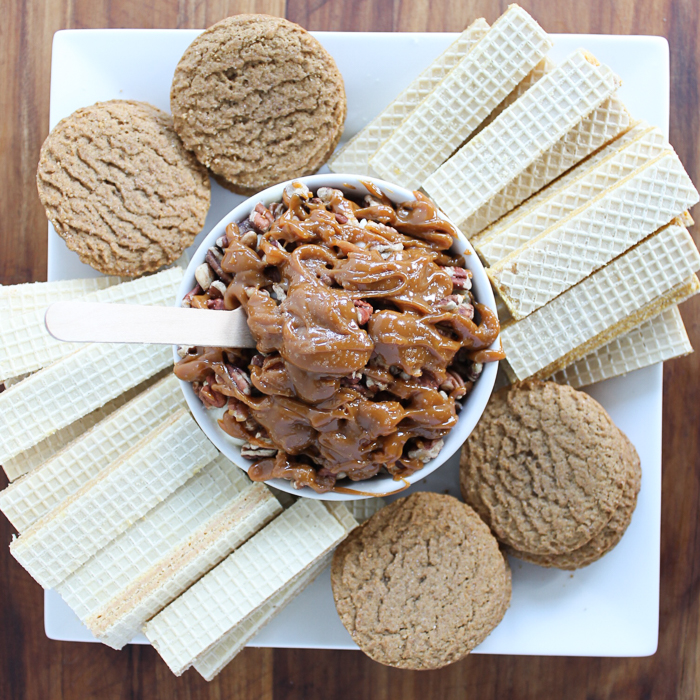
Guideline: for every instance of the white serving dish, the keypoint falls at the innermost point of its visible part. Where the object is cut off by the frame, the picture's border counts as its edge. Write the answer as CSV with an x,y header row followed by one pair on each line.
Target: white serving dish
x,y
474,404
610,608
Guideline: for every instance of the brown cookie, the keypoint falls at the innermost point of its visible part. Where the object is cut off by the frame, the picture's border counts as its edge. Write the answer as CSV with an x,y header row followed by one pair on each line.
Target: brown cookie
x,y
259,101
120,188
609,536
421,583
545,467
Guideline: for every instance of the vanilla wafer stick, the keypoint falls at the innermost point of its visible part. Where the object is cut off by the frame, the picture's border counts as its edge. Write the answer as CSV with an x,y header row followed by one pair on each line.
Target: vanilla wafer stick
x,y
170,548
57,544
364,508
580,169
606,122
576,195
463,99
25,298
26,345
71,388
231,644
659,339
243,582
592,235
622,295
48,448
354,156
519,136
32,497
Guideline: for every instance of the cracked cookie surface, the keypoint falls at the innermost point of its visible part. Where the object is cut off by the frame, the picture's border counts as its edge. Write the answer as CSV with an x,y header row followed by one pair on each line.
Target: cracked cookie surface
x,y
258,100
545,467
421,583
120,188
609,536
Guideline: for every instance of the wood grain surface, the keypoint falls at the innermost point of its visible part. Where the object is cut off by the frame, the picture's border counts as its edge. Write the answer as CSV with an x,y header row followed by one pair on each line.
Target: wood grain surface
x,y
31,666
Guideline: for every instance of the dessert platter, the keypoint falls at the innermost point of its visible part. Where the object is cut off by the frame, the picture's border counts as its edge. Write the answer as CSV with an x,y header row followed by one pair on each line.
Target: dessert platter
x,y
548,160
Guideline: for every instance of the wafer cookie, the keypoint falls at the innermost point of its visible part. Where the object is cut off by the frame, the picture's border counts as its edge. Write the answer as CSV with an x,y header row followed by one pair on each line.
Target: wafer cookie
x,y
606,122
614,300
243,582
164,553
519,136
26,345
364,508
463,99
565,180
220,654
71,388
25,298
354,156
32,497
656,340
64,539
36,455
576,195
594,234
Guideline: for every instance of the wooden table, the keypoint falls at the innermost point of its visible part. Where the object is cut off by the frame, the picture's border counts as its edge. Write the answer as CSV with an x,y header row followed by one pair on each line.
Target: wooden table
x,y
31,666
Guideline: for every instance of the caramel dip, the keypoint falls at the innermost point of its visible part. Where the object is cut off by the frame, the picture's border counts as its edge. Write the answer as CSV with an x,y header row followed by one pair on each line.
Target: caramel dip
x,y
368,336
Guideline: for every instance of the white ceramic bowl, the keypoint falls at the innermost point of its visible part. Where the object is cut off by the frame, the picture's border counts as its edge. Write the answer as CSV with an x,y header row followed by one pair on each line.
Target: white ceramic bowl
x,y
473,406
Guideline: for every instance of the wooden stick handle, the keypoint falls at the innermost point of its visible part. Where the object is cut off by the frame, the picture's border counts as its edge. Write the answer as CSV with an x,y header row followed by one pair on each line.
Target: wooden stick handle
x,y
87,322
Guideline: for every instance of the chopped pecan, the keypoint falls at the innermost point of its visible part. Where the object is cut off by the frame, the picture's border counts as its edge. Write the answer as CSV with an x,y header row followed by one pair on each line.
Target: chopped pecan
x,y
187,300
254,452
240,379
216,304
261,218
454,385
238,410
250,239
217,289
341,218
461,277
474,371
209,396
425,450
214,257
204,276
364,311
222,242
277,209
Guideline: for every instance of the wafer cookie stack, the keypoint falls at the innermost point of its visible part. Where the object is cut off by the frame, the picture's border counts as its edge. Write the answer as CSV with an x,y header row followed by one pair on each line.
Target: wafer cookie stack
x,y
580,169
71,388
26,345
49,447
25,298
32,497
519,136
513,46
213,661
162,554
645,144
605,123
652,276
64,539
235,589
595,233
354,156
659,339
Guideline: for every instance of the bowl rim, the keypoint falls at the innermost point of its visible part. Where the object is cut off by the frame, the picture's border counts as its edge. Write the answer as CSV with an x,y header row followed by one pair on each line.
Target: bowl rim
x,y
476,401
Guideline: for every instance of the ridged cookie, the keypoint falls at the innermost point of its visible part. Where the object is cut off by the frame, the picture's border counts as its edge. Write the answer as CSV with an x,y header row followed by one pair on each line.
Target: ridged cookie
x,y
258,100
609,536
545,467
120,188
421,583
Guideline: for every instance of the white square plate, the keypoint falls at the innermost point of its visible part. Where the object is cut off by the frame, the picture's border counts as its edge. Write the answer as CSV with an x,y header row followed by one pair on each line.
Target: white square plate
x,y
610,608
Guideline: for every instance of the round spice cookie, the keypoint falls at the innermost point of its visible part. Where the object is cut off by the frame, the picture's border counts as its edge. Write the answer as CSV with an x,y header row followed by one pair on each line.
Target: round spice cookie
x,y
608,537
259,101
545,467
421,583
120,188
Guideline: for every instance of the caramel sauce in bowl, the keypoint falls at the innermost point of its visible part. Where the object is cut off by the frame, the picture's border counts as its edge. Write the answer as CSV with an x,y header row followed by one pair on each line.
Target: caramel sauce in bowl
x,y
474,404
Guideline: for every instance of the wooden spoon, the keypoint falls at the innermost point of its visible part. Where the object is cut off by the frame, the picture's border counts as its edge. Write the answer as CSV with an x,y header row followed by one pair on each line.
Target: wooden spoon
x,y
87,322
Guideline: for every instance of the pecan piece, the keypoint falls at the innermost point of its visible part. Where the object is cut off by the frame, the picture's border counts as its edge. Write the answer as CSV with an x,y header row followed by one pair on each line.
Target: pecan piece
x,y
253,452
216,304
261,218
425,450
204,276
364,311
209,396
461,277
214,258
